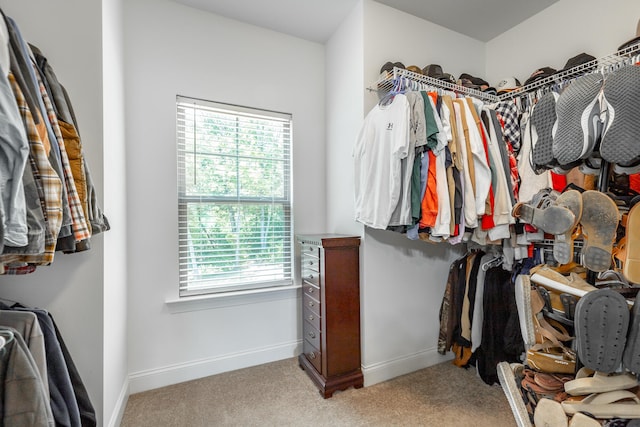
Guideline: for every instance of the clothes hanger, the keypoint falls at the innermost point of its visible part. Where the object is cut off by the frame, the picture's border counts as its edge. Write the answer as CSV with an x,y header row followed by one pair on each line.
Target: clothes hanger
x,y
6,336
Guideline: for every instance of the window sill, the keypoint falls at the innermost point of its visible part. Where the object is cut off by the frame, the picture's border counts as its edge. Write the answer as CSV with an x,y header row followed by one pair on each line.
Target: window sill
x,y
229,299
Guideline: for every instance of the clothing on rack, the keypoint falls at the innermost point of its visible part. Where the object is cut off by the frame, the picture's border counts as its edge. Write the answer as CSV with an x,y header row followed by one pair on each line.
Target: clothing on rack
x,y
478,316
453,165
66,397
50,203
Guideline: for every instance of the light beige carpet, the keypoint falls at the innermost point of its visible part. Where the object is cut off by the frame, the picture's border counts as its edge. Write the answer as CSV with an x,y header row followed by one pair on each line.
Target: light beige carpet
x,y
281,394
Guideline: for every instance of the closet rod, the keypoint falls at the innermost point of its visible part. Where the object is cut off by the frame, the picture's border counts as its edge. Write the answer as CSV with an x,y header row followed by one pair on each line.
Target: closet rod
x,y
621,57
386,84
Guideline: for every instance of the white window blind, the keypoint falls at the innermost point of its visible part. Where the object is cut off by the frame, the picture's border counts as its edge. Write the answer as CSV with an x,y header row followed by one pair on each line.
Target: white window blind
x,y
234,197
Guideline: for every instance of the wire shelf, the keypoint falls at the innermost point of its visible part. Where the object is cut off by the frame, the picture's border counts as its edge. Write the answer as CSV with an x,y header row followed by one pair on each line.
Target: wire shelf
x,y
623,57
410,80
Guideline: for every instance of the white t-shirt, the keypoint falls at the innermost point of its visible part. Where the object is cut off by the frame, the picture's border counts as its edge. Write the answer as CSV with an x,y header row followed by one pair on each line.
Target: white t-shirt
x,y
381,145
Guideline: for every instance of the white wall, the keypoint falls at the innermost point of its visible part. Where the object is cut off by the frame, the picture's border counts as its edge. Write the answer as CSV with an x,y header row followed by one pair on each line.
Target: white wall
x,y
72,287
345,79
402,282
115,369
173,49
560,32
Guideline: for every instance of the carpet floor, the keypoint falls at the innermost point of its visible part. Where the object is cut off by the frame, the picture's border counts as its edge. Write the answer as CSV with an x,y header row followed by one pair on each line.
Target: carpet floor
x,y
281,394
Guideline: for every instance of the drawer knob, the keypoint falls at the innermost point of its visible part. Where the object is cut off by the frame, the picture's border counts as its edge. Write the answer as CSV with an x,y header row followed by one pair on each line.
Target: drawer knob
x,y
311,318
310,277
311,304
310,262
312,334
312,355
310,290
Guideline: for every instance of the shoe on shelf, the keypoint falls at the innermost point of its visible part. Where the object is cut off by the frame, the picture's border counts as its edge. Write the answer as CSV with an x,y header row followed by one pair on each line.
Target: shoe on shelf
x,y
547,217
599,222
631,263
621,98
578,126
563,243
601,325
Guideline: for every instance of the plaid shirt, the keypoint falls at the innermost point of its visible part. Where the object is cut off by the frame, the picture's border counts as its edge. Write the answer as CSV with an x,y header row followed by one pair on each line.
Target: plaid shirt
x,y
47,181
80,229
508,111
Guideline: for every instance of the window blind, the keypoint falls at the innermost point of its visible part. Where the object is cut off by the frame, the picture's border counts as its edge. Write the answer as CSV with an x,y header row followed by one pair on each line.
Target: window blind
x,y
234,197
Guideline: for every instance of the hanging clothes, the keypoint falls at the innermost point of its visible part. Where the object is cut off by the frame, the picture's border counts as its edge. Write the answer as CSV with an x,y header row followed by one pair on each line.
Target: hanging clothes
x,y
50,202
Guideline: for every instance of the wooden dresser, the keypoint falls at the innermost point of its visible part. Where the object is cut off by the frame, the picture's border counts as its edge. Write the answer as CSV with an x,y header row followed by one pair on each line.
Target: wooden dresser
x,y
330,270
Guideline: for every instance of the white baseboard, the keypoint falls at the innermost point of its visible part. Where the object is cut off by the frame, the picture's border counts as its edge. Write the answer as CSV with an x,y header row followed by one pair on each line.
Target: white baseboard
x,y
181,372
384,371
121,404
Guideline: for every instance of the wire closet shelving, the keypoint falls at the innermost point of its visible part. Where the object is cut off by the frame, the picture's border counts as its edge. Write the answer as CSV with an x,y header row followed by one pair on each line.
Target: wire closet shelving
x,y
400,77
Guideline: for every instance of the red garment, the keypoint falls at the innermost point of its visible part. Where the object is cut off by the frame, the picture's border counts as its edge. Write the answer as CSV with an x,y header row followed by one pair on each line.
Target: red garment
x,y
430,199
559,182
634,182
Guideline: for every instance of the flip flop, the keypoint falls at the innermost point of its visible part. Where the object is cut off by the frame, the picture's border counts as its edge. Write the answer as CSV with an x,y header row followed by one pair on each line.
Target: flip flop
x,y
577,128
549,413
631,266
582,420
601,324
631,355
599,383
606,405
563,243
599,225
622,100
543,118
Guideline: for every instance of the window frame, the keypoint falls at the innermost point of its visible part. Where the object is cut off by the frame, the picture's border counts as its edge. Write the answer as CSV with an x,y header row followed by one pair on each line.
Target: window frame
x,y
184,200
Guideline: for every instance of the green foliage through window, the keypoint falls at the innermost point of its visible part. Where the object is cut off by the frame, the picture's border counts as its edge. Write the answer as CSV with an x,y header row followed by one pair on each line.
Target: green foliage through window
x,y
234,199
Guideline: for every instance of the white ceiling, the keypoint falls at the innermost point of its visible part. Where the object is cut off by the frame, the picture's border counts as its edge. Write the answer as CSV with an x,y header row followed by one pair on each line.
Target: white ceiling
x,y
317,20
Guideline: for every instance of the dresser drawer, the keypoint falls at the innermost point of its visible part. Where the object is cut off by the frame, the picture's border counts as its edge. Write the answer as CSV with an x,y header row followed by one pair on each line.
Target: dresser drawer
x,y
312,354
310,303
310,263
311,334
311,317
311,290
312,250
310,276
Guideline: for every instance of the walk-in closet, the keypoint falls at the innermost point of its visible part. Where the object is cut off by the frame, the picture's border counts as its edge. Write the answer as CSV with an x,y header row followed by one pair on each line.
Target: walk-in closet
x,y
352,212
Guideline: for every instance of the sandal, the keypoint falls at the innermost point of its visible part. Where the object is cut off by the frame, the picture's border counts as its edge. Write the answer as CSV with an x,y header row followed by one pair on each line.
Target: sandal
x,y
599,225
543,214
631,265
611,404
600,383
550,413
563,243
601,323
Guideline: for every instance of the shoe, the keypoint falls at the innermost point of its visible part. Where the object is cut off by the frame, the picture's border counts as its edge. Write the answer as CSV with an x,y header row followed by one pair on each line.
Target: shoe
x,y
563,243
600,383
543,118
550,413
621,97
582,420
578,125
631,354
601,324
525,310
599,224
612,404
553,219
631,265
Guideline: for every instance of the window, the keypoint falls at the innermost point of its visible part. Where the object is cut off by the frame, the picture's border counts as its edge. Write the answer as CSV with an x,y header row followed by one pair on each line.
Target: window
x,y
234,197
